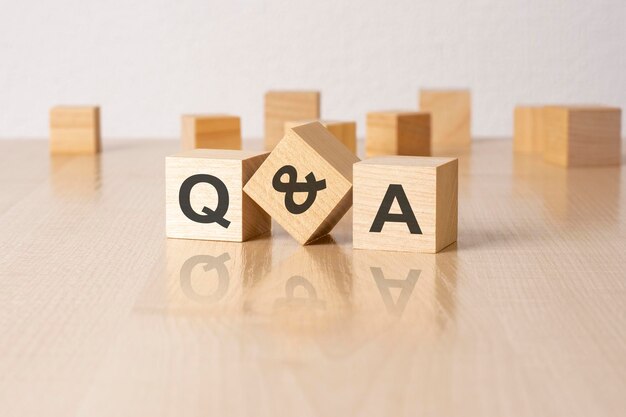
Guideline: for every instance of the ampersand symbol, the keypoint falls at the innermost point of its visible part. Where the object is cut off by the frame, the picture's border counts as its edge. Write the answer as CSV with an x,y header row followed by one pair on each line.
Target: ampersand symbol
x,y
311,186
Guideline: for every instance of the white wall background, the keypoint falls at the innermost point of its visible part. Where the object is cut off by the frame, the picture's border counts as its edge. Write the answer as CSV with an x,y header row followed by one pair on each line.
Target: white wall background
x,y
146,62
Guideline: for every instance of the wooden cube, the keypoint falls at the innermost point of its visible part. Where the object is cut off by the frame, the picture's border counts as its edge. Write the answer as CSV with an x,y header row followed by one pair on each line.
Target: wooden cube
x,y
397,133
527,133
283,106
450,111
306,182
405,203
582,135
211,131
344,131
75,130
204,195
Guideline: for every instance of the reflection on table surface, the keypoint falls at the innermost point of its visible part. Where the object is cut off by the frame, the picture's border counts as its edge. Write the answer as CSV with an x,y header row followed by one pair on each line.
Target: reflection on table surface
x,y
102,315
310,288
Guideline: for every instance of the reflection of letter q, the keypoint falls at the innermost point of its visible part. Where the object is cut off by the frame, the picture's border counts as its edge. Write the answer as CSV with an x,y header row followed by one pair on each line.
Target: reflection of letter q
x,y
210,263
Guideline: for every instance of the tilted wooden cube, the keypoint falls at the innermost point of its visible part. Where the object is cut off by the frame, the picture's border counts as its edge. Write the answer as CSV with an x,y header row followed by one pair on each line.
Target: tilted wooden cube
x,y
582,135
210,131
205,199
398,133
527,131
405,203
451,118
75,130
344,131
283,106
306,182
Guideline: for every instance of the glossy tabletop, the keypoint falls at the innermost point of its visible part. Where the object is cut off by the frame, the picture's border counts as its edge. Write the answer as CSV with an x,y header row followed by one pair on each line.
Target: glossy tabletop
x,y
101,315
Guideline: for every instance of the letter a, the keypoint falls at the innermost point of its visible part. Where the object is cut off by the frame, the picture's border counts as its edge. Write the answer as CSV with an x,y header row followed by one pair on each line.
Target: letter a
x,y
395,192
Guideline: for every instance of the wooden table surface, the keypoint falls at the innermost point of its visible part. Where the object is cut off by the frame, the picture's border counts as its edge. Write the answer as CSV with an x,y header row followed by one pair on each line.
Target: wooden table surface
x,y
101,315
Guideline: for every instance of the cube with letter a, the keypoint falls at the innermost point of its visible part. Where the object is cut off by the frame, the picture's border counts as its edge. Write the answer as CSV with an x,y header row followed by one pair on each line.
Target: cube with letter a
x,y
306,182
204,195
405,203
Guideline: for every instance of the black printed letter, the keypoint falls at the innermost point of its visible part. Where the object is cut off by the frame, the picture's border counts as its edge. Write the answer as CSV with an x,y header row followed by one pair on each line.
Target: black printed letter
x,y
210,216
395,191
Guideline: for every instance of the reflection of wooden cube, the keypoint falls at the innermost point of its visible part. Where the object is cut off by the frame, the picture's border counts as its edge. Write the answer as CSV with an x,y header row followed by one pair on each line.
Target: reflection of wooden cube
x,y
397,133
206,277
344,131
527,134
204,196
283,106
76,176
582,135
211,132
405,203
306,182
310,287
450,112
393,281
75,130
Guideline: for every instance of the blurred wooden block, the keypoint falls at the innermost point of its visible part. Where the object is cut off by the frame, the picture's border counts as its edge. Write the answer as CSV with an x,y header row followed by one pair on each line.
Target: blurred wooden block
x,y
344,131
306,182
450,111
582,135
204,195
405,203
211,131
398,133
75,130
527,133
283,106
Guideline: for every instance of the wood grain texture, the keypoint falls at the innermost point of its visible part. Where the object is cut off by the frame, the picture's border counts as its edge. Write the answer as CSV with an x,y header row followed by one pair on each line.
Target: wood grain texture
x,y
75,130
310,149
345,131
527,129
450,111
232,170
430,187
524,316
582,135
283,106
398,133
210,131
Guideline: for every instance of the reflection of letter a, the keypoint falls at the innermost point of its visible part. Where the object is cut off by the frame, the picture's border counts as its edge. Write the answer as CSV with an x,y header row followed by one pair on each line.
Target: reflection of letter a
x,y
407,285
